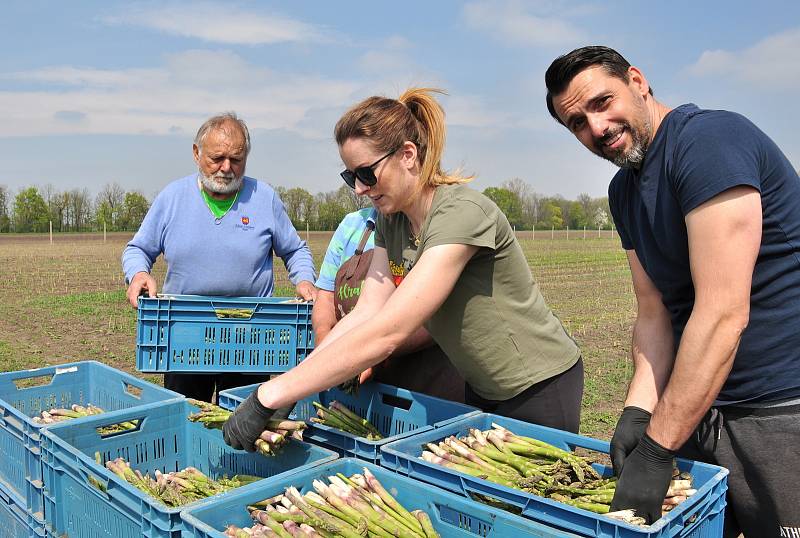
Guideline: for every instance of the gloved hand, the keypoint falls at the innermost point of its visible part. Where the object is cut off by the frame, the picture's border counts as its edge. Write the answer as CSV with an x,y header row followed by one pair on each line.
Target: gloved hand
x,y
284,412
242,429
630,428
645,479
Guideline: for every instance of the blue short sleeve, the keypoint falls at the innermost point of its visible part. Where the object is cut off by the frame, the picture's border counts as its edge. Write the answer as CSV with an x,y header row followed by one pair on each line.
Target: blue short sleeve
x,y
614,196
717,151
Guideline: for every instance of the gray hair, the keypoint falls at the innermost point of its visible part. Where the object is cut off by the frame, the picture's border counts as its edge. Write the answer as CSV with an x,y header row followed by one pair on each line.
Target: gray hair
x,y
215,122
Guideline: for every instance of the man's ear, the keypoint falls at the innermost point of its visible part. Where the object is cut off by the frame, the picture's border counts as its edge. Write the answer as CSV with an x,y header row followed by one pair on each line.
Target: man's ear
x,y
637,79
196,153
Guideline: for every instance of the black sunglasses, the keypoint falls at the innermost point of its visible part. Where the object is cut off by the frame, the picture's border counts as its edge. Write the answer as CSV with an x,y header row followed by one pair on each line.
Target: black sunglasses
x,y
365,174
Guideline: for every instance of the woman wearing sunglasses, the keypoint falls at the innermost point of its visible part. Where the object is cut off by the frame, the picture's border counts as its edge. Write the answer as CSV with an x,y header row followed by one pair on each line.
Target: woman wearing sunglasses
x,y
445,258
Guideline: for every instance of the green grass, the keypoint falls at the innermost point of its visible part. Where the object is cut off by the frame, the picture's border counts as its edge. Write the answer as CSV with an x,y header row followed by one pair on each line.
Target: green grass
x,y
91,304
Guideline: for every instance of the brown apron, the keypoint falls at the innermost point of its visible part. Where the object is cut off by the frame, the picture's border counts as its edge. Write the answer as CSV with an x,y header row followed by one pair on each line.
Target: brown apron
x,y
427,370
350,276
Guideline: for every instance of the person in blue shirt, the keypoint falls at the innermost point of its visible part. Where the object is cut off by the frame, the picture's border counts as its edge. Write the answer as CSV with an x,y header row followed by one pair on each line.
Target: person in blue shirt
x,y
425,367
217,230
708,211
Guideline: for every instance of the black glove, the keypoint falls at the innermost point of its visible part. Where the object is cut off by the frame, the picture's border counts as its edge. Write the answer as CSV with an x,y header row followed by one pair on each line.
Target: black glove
x,y
284,412
644,480
247,423
630,428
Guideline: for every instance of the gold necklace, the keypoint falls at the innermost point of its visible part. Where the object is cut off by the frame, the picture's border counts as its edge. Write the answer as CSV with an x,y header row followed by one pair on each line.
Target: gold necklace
x,y
414,236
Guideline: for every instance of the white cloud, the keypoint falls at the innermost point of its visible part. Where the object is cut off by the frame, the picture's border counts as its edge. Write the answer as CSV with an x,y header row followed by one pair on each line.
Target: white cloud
x,y
769,64
472,111
218,22
513,22
178,96
77,76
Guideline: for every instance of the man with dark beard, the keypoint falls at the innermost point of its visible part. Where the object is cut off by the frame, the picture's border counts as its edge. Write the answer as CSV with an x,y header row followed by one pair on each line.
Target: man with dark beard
x,y
217,230
708,211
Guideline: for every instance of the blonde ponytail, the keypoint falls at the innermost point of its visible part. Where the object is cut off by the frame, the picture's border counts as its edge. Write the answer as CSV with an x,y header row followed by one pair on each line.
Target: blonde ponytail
x,y
415,117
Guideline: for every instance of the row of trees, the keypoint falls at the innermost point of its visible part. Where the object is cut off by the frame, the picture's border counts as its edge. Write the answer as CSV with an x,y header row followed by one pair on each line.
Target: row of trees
x,y
34,208
524,208
114,209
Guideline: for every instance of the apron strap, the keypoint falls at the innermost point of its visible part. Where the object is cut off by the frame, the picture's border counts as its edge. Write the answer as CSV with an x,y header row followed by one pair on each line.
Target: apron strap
x,y
365,237
361,244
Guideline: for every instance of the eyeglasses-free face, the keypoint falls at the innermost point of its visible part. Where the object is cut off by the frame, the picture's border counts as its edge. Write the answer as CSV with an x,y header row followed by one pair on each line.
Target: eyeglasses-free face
x,y
365,174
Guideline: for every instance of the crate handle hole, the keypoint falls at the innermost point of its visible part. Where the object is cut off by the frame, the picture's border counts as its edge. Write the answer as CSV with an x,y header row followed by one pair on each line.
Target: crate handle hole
x,y
34,381
119,428
396,401
133,390
234,313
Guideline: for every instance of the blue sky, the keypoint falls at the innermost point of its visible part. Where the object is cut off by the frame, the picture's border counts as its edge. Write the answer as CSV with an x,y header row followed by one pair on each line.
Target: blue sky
x,y
99,91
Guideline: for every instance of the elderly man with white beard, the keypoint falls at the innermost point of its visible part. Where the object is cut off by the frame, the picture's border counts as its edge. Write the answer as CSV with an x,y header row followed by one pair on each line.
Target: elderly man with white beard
x,y
217,230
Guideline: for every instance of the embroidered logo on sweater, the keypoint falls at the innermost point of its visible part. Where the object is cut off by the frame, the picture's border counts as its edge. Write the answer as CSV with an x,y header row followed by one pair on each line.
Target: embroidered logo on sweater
x,y
245,225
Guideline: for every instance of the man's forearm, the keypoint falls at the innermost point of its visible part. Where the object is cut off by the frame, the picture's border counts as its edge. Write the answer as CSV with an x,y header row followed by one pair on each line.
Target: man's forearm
x,y
653,353
705,356
300,265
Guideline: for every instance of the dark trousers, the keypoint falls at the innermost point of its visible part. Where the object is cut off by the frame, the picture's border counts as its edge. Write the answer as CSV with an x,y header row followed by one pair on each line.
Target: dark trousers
x,y
428,371
761,449
553,402
203,386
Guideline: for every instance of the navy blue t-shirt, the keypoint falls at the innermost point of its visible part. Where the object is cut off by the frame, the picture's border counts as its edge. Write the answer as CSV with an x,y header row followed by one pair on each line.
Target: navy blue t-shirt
x,y
695,155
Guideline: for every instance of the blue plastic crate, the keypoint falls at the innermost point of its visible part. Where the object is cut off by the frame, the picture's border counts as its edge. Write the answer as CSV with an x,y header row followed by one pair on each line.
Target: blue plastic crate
x,y
396,412
189,333
26,393
164,440
15,522
701,516
452,516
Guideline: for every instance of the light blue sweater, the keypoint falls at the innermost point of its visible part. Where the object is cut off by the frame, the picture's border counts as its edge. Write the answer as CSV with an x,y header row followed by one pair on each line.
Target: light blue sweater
x,y
232,258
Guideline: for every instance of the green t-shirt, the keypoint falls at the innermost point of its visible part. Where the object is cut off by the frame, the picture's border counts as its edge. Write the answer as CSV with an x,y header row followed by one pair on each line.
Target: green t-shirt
x,y
495,326
218,207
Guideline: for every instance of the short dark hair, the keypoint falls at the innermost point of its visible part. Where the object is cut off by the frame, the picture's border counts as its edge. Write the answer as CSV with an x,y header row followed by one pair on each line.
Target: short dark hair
x,y
566,67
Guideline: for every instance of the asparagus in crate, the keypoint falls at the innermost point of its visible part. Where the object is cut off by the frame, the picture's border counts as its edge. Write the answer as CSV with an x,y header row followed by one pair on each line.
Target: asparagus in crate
x,y
340,417
352,507
275,436
175,488
539,468
56,414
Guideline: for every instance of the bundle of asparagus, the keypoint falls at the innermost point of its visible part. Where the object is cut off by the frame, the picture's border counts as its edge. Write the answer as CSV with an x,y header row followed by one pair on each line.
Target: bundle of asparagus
x,y
233,313
275,436
176,488
52,416
340,417
539,468
353,507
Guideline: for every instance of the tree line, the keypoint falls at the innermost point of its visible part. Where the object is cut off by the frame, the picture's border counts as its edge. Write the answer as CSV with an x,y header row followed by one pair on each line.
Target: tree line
x,y
522,205
33,208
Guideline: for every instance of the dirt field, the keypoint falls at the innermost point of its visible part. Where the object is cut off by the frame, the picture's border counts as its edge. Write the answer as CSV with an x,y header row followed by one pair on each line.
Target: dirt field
x,y
65,301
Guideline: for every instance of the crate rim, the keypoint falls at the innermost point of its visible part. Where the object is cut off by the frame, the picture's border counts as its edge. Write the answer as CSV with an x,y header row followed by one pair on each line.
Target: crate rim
x,y
386,440
223,298
719,472
54,370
